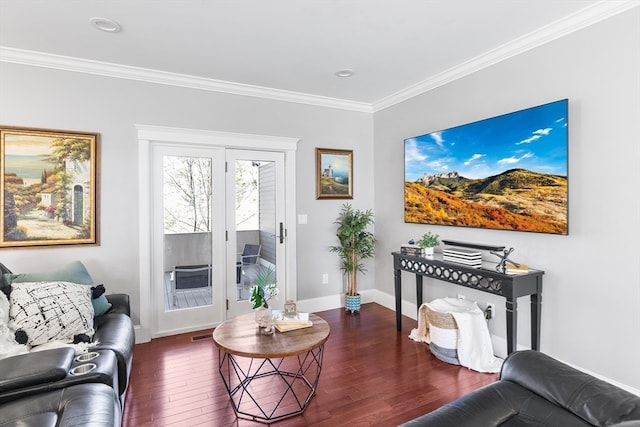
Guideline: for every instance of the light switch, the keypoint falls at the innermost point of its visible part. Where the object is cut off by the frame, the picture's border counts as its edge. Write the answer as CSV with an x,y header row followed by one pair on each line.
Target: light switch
x,y
302,219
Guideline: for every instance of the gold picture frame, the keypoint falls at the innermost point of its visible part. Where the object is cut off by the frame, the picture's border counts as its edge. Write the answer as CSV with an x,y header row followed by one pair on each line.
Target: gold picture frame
x,y
48,187
334,174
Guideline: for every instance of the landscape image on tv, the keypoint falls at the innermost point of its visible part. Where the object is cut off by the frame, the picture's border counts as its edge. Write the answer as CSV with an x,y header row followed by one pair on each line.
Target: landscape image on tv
x,y
508,173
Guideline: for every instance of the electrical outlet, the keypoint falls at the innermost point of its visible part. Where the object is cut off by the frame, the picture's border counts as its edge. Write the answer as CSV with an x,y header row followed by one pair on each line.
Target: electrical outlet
x,y
490,311
325,278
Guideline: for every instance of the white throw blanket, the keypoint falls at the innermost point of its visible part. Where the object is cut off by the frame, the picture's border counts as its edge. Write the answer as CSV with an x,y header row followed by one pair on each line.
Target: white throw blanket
x,y
421,334
474,347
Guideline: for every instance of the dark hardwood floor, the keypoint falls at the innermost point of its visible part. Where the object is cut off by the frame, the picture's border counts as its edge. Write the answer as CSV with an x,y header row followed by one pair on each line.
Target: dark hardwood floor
x,y
372,375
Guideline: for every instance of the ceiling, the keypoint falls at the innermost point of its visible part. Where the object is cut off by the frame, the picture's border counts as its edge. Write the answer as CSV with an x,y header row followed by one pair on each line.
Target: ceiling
x,y
290,49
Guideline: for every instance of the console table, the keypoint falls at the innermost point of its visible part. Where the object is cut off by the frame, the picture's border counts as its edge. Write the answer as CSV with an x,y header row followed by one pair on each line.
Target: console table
x,y
508,286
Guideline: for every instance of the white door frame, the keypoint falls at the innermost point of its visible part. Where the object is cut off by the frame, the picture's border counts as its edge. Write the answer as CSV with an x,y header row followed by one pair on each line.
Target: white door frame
x,y
147,135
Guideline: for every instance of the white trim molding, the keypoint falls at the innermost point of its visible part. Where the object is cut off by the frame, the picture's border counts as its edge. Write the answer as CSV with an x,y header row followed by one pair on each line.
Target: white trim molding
x,y
216,138
88,66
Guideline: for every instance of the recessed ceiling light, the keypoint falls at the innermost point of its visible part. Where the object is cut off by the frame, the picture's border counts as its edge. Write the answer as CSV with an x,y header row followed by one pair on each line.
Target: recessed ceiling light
x,y
344,73
105,24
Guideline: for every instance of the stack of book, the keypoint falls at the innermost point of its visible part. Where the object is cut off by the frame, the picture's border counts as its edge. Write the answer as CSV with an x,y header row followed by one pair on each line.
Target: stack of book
x,y
414,250
462,256
300,321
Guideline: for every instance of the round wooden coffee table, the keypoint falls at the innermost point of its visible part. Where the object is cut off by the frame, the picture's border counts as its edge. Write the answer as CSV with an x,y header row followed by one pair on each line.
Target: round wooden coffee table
x,y
270,377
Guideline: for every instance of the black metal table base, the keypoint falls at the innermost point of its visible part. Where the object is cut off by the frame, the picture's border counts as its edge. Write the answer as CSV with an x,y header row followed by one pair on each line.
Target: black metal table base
x,y
268,390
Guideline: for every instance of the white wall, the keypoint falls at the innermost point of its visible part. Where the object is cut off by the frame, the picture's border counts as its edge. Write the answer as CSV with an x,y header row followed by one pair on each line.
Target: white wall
x,y
47,98
591,295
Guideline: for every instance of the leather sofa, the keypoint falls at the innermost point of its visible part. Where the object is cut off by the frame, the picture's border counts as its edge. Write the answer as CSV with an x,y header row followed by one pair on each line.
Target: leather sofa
x,y
537,390
57,388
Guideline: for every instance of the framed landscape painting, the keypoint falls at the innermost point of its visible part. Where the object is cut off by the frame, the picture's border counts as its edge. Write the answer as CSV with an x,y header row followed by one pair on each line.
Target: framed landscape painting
x,y
508,172
48,187
334,174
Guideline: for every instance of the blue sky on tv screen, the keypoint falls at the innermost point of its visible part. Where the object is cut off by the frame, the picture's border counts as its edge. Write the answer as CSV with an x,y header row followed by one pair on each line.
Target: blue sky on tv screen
x,y
533,139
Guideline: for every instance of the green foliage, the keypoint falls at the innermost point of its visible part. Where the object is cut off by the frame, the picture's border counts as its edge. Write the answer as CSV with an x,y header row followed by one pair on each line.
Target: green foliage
x,y
265,287
356,242
429,240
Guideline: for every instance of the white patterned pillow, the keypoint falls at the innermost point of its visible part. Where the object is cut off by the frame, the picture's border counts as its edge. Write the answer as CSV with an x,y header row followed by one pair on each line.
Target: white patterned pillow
x,y
50,311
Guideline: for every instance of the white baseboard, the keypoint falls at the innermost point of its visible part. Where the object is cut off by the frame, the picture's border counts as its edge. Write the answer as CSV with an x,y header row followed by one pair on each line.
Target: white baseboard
x,y
334,301
320,304
142,334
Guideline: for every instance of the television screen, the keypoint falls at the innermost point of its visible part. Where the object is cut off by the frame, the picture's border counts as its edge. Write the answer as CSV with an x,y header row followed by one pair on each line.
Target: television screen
x,y
507,173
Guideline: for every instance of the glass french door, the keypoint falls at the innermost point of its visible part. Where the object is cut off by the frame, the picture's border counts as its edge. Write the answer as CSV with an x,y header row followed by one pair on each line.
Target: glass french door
x,y
189,230
209,206
255,223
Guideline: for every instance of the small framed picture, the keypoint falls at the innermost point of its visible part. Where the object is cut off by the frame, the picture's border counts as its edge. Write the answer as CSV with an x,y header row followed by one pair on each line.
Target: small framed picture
x,y
334,174
48,187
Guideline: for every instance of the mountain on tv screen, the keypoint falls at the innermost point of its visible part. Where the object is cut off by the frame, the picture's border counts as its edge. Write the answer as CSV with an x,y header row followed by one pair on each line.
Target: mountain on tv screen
x,y
507,173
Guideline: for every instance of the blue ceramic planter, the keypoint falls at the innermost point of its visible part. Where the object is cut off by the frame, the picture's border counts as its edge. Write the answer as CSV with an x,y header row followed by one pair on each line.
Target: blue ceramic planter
x,y
352,303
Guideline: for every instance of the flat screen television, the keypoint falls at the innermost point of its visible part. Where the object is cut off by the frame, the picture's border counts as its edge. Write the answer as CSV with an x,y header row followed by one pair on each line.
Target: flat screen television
x,y
506,173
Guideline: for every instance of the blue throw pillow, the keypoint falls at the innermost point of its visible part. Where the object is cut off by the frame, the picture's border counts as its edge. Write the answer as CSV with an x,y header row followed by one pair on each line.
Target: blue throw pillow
x,y
101,305
74,272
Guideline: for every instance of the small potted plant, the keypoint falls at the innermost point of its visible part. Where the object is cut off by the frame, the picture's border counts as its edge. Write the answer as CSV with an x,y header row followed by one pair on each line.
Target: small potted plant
x,y
264,289
427,242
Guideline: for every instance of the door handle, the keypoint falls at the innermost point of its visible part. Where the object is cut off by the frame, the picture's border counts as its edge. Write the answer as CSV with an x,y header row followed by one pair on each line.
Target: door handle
x,y
282,233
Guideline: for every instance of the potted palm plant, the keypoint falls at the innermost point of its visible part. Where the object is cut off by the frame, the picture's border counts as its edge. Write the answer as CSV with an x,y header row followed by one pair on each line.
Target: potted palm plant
x,y
356,243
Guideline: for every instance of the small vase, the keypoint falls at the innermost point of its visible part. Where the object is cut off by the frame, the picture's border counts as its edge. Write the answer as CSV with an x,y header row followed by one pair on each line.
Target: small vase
x,y
428,252
290,309
264,319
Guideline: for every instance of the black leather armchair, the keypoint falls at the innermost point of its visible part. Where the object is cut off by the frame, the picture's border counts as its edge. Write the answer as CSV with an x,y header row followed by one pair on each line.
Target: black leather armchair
x,y
537,390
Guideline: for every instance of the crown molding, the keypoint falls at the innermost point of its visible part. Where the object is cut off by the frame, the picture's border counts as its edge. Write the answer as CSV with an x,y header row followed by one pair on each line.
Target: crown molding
x,y
59,62
577,21
583,18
